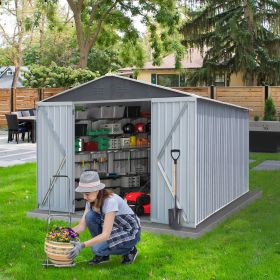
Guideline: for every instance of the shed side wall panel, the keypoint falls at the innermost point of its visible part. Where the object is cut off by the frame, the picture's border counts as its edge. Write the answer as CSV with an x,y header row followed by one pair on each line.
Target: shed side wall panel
x,y
164,116
222,156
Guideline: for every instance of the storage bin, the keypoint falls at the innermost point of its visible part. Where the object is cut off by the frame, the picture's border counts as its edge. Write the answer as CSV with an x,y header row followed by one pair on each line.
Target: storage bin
x,y
115,143
90,146
101,112
132,112
125,142
130,181
118,111
114,128
80,130
80,115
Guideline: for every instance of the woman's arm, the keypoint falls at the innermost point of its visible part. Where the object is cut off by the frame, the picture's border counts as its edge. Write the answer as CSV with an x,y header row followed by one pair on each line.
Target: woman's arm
x,y
107,229
82,224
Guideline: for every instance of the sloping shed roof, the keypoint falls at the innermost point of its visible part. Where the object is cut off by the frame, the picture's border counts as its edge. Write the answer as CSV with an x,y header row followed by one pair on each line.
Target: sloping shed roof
x,y
114,88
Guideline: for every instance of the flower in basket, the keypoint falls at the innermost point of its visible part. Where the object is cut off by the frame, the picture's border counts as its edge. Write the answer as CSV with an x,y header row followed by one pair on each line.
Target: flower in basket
x,y
61,234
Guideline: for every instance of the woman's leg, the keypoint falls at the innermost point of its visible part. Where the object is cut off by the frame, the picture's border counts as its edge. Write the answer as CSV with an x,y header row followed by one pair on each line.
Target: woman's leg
x,y
93,221
102,249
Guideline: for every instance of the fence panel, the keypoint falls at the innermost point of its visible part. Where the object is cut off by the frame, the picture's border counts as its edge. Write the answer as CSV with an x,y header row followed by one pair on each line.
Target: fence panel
x,y
49,92
25,98
5,105
201,91
249,97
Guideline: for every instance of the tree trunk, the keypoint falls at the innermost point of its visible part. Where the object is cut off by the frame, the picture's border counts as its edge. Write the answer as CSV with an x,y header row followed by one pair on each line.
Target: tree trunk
x,y
84,52
16,76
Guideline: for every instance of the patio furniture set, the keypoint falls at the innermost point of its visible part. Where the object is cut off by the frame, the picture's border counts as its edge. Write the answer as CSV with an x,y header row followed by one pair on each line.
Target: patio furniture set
x,y
20,123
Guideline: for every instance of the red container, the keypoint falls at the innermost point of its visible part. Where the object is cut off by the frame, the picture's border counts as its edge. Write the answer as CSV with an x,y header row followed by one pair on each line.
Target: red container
x,y
90,146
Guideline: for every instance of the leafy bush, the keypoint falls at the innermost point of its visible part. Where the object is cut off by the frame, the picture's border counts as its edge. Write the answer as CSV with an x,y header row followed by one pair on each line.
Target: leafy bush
x,y
256,118
55,76
269,110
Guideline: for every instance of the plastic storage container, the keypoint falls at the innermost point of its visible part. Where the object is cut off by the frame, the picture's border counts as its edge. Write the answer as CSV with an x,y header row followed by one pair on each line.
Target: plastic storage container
x,y
101,112
114,128
118,111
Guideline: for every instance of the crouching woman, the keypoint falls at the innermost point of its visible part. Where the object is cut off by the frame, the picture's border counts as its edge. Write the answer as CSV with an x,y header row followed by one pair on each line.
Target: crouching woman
x,y
114,227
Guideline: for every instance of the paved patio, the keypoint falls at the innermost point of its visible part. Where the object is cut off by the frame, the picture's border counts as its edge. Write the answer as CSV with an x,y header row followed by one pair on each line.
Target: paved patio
x,y
268,165
12,153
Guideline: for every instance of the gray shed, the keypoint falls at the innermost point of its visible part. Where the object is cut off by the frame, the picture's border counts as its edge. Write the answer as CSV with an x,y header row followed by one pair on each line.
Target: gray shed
x,y
213,169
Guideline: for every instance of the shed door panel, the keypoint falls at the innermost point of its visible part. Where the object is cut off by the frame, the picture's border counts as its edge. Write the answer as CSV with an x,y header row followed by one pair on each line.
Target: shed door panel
x,y
55,147
173,127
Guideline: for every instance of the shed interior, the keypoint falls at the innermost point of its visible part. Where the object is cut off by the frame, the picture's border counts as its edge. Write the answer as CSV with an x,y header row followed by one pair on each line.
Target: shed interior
x,y
114,140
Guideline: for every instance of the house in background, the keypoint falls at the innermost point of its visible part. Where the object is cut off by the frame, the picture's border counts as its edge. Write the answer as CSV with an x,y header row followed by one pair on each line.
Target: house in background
x,y
166,74
7,75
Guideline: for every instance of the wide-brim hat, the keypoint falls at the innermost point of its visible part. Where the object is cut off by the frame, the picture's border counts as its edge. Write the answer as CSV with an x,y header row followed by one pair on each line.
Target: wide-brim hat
x,y
89,182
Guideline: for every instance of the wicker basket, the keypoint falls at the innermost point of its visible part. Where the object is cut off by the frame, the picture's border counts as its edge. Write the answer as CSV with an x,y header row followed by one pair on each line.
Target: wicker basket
x,y
58,252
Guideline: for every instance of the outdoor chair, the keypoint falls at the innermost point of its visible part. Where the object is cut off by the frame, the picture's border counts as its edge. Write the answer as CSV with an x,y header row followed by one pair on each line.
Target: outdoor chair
x,y
25,113
14,128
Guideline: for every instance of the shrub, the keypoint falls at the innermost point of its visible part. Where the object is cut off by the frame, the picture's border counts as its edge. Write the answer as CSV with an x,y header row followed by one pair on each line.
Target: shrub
x,y
256,118
269,110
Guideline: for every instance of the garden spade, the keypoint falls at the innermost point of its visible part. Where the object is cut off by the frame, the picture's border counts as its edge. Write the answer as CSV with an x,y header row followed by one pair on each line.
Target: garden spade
x,y
174,214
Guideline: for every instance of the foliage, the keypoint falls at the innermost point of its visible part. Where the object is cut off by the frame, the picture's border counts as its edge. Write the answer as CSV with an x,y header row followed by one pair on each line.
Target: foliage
x,y
236,36
56,76
4,60
93,18
269,110
103,61
256,118
62,234
244,246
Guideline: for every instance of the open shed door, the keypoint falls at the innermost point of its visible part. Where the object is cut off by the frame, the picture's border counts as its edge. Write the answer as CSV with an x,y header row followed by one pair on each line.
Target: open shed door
x,y
173,127
55,154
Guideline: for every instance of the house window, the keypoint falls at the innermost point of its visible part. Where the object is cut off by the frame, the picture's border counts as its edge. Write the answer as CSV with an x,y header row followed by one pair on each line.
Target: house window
x,y
9,73
171,80
220,81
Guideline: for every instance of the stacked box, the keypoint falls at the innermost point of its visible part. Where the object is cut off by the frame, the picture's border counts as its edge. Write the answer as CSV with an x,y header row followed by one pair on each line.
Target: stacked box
x,y
130,181
114,128
115,143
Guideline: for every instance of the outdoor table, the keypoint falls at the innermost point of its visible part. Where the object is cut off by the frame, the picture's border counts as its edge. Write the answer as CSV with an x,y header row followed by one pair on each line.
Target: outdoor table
x,y
32,120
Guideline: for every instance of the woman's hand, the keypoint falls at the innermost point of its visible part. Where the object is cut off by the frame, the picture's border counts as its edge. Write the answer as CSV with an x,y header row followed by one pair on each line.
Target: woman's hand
x,y
78,246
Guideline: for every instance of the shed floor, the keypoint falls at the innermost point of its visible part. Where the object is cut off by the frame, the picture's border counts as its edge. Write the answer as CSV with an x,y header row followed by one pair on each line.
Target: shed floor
x,y
204,227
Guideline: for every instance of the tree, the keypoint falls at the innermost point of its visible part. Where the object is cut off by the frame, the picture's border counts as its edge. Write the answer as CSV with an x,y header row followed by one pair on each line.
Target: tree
x,y
269,110
56,76
93,17
22,12
236,36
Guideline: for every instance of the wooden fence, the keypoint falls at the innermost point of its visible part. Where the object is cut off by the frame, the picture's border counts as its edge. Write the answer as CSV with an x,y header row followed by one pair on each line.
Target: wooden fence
x,y
22,98
249,97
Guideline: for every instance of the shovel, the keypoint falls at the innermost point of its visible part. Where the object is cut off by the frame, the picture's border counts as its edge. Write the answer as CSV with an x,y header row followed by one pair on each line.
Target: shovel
x,y
174,214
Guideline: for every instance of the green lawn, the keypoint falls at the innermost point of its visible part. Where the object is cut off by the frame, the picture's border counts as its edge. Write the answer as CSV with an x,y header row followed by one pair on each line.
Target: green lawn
x,y
245,246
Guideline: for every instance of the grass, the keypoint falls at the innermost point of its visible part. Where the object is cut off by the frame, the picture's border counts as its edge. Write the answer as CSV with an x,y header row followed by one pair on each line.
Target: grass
x,y
245,246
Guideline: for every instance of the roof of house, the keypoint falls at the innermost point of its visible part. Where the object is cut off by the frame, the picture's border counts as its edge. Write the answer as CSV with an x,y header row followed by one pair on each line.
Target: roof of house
x,y
6,81
116,88
193,59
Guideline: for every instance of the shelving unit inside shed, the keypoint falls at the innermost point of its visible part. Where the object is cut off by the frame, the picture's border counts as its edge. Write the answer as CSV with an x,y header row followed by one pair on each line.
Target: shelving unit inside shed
x,y
113,140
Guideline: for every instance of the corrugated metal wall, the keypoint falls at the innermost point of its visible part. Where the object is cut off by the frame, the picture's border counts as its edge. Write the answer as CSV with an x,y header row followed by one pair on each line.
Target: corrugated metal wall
x,y
165,112
55,140
222,156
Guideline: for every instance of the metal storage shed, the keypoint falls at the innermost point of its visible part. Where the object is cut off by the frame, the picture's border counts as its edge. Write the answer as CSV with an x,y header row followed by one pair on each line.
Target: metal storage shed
x,y
213,138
